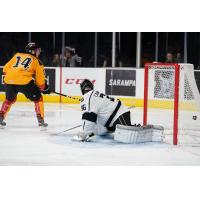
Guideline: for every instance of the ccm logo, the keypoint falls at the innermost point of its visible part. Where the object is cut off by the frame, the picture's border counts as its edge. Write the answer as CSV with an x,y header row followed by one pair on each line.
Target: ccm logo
x,y
76,81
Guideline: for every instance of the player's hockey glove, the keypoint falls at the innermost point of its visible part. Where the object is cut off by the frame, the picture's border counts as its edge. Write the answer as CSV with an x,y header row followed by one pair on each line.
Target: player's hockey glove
x,y
46,89
84,137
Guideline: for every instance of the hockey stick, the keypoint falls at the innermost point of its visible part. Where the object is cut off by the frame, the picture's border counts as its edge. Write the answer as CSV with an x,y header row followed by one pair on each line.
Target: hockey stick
x,y
64,95
67,130
130,107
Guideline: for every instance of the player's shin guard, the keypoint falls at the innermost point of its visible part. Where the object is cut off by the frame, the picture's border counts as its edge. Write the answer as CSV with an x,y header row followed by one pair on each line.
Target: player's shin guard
x,y
4,110
39,109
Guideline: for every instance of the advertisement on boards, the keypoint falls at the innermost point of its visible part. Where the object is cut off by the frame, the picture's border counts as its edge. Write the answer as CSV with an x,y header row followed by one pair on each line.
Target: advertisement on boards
x,y
72,77
121,82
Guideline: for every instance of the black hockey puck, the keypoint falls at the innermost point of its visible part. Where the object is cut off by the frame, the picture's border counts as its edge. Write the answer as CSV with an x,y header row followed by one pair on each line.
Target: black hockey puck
x,y
194,117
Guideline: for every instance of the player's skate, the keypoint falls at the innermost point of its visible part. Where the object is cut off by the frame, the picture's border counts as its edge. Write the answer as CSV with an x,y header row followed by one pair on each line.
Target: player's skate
x,y
43,126
2,123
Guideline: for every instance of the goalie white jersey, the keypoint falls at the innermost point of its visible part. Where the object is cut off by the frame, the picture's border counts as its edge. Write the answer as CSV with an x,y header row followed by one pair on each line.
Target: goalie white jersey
x,y
99,109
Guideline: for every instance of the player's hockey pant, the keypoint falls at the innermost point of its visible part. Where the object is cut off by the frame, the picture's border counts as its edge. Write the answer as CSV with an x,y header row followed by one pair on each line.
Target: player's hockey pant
x,y
6,107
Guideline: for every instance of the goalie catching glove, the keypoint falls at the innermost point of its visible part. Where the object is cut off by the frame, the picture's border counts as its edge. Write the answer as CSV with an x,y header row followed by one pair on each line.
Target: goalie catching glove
x,y
81,137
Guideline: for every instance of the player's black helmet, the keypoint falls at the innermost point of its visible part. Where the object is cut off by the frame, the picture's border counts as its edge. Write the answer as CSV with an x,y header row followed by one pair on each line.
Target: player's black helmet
x,y
86,86
31,46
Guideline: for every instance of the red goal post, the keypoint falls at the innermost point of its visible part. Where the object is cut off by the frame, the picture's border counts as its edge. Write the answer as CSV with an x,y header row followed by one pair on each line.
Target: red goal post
x,y
163,66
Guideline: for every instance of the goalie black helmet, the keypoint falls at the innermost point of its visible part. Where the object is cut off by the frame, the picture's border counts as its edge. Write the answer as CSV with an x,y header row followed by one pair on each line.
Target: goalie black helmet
x,y
31,47
86,86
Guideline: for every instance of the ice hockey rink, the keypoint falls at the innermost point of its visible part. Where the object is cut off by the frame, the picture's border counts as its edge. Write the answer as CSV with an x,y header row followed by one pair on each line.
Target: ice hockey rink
x,y
23,143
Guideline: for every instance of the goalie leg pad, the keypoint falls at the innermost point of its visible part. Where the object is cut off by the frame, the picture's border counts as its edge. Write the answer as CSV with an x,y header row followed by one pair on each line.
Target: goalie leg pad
x,y
135,135
158,132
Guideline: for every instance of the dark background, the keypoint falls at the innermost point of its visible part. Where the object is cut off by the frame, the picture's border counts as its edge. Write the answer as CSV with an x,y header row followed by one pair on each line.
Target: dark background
x,y
197,78
83,42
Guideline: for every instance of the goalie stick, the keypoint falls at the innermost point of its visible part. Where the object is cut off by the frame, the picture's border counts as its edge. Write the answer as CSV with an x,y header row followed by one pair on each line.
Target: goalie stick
x,y
59,133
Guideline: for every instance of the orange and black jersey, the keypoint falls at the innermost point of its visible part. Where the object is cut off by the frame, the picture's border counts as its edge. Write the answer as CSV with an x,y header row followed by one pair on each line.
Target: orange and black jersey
x,y
22,68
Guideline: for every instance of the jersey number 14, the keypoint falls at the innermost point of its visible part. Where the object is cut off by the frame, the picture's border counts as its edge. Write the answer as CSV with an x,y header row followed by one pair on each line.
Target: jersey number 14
x,y
24,63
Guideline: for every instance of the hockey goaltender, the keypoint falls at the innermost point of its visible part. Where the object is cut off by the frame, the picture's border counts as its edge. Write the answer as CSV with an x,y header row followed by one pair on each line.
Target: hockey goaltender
x,y
102,115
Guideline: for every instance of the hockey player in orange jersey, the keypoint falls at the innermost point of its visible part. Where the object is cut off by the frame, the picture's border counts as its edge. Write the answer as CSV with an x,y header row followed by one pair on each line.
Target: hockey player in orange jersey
x,y
25,73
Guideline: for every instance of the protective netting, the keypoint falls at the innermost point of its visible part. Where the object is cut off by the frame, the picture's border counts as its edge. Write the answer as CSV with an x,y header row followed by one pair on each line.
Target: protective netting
x,y
161,99
164,84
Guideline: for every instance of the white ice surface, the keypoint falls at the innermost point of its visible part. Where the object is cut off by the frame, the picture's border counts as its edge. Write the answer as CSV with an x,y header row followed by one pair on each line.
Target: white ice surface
x,y
22,143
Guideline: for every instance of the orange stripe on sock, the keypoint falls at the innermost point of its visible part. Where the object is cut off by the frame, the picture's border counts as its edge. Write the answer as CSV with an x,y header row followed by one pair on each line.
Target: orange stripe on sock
x,y
5,108
39,107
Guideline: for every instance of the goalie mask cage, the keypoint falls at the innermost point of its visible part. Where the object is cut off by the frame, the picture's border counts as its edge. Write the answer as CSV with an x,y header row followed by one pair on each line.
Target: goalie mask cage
x,y
171,99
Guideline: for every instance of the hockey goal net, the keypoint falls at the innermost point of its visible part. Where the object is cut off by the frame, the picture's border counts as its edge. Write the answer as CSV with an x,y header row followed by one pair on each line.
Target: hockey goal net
x,y
172,99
